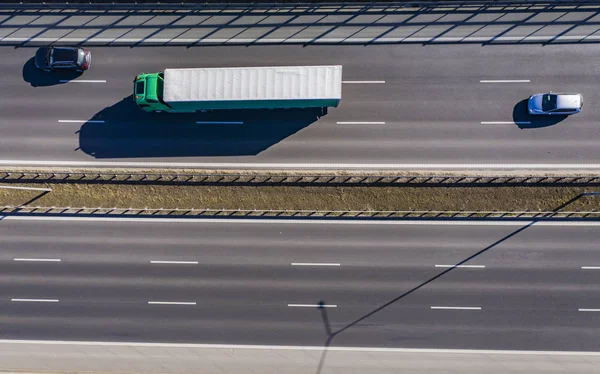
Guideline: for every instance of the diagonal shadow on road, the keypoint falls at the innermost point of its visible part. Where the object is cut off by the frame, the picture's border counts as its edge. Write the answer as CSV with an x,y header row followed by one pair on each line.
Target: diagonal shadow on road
x,y
332,335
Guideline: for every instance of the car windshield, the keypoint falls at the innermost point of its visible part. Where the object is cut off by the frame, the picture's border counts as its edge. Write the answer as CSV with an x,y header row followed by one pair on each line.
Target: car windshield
x,y
548,102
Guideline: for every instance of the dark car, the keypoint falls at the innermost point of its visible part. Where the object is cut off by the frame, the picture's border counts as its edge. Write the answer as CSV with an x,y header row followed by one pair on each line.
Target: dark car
x,y
63,58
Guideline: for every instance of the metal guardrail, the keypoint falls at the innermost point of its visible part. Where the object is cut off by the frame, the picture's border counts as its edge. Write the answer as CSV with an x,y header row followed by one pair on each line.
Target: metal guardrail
x,y
297,179
237,4
284,213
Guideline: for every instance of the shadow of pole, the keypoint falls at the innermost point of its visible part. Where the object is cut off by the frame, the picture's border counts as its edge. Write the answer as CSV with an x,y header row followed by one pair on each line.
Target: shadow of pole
x,y
39,196
332,335
329,333
44,193
325,318
430,280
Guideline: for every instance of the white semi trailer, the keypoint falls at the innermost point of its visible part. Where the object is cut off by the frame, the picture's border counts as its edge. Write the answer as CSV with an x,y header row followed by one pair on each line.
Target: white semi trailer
x,y
281,87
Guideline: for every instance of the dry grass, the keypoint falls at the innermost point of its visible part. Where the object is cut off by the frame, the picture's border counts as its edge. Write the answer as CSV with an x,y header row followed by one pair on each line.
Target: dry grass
x,y
317,198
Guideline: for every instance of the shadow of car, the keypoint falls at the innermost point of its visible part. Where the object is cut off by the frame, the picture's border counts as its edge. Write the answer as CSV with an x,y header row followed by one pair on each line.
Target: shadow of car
x,y
40,78
125,131
524,120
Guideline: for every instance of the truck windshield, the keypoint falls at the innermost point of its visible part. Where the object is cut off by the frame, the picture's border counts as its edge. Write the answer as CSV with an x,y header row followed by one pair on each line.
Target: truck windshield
x,y
160,85
139,88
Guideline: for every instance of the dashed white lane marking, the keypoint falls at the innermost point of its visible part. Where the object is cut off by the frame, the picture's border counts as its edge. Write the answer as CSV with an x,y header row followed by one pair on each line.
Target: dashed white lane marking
x,y
461,266
79,121
360,123
82,81
315,264
363,82
26,188
35,300
312,306
254,165
506,123
175,262
589,310
591,267
150,220
219,122
172,302
457,307
38,259
505,81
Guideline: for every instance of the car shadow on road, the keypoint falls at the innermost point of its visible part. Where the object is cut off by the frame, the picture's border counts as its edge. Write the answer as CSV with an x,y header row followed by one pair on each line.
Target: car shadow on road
x,y
40,78
125,131
526,121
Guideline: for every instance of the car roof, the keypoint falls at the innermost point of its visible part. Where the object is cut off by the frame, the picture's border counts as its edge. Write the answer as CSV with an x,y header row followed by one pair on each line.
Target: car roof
x,y
64,54
568,100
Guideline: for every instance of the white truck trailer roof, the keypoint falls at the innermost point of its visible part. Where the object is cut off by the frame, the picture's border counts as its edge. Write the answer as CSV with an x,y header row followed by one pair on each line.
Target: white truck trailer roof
x,y
253,83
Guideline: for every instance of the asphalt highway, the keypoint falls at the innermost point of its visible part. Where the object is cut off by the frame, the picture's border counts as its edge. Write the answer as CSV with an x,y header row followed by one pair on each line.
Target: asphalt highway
x,y
257,283
432,108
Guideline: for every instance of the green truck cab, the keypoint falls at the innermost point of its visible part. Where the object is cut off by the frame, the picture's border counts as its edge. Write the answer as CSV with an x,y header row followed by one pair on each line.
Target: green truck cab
x,y
147,92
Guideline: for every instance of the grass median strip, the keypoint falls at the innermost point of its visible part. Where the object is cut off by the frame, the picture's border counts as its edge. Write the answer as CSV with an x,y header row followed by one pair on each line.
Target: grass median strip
x,y
305,198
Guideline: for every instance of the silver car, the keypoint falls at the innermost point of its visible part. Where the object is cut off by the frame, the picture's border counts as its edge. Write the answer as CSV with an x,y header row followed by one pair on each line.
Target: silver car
x,y
555,103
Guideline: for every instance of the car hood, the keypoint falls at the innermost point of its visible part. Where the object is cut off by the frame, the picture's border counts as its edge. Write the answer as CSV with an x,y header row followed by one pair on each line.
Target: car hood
x,y
535,102
40,58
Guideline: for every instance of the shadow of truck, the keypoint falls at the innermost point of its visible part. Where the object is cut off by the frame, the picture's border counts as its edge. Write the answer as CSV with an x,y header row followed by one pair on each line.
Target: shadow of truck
x,y
123,131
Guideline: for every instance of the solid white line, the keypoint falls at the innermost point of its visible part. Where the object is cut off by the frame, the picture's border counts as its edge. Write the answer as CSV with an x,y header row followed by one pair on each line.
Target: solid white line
x,y
36,300
82,81
460,266
591,267
457,307
505,81
298,348
312,306
363,82
506,123
175,262
416,222
589,310
315,264
171,303
79,121
26,188
38,259
453,39
253,165
218,123
360,123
